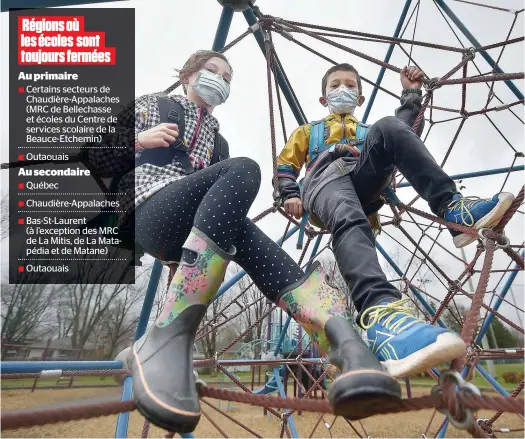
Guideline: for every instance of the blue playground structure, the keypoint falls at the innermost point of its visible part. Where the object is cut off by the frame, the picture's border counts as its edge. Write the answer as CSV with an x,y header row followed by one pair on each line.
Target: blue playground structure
x,y
286,352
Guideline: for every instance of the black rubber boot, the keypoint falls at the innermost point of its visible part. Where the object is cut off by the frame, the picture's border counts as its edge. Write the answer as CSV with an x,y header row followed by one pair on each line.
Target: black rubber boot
x,y
363,388
162,364
162,360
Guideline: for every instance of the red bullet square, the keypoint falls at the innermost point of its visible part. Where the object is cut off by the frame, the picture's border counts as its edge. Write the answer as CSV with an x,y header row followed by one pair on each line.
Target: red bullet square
x,y
20,204
21,157
20,89
21,221
20,185
20,268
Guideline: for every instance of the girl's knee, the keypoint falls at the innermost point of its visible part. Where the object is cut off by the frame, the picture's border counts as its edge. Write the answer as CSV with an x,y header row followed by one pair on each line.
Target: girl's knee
x,y
248,167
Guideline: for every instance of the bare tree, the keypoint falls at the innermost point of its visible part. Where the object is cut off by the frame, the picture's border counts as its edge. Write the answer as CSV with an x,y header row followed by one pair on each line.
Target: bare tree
x,y
336,279
27,309
89,304
255,304
162,292
63,318
120,321
4,216
209,341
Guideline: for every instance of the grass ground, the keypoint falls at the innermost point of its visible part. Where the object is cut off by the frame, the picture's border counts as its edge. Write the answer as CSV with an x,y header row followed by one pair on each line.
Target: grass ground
x,y
479,381
407,425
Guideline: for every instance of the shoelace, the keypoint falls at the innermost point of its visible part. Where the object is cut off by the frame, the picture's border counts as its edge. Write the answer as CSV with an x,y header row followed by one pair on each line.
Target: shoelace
x,y
390,311
464,205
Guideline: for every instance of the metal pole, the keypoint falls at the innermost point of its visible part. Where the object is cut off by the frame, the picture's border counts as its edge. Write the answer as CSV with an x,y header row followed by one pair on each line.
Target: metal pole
x,y
283,83
222,29
476,174
39,366
282,393
379,79
121,429
147,305
476,44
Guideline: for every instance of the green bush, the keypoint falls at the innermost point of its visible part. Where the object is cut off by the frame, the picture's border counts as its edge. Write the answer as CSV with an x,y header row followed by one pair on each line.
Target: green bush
x,y
512,377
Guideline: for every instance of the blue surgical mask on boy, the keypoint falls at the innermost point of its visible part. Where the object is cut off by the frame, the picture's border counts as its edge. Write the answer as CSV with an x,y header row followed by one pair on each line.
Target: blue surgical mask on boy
x,y
211,87
342,100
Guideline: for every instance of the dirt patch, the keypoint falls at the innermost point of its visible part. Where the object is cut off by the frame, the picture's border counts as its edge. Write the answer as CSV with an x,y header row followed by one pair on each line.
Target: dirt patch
x,y
408,425
21,399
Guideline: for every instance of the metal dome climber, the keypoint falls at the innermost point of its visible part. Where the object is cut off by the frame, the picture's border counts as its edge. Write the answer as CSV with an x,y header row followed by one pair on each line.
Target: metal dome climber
x,y
458,404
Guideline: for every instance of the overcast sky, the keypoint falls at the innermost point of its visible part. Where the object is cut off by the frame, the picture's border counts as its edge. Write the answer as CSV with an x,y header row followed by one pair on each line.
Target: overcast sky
x,y
168,31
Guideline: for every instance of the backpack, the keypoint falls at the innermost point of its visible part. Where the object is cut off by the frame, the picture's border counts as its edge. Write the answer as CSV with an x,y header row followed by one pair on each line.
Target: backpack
x,y
317,135
172,111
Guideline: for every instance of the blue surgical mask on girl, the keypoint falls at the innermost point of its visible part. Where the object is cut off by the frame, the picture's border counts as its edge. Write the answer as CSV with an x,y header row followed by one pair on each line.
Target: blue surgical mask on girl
x,y
342,100
211,87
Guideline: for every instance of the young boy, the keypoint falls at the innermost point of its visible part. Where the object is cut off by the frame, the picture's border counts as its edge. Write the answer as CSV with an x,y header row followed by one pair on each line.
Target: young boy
x,y
343,181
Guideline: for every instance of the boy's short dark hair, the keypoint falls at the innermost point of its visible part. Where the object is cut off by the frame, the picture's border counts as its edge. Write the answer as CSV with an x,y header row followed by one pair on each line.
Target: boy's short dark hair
x,y
345,67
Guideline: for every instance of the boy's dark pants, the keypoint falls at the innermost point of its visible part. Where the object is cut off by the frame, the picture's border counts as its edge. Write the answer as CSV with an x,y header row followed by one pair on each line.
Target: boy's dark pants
x,y
390,143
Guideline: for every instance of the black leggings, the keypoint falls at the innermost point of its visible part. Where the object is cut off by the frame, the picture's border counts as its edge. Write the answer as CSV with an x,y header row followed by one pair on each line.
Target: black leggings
x,y
216,201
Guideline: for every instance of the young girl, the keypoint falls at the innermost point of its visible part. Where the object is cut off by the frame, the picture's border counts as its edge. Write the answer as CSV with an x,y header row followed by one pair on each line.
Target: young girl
x,y
198,218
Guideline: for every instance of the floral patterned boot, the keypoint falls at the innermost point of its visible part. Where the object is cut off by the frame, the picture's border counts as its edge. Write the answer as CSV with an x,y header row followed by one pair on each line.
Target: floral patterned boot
x,y
162,360
363,387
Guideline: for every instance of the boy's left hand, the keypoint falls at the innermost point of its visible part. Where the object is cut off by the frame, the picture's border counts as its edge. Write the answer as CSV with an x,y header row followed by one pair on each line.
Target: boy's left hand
x,y
412,77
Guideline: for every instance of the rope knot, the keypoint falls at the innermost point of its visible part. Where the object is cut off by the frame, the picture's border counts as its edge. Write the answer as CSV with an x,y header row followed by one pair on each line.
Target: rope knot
x,y
470,53
486,426
432,84
454,286
396,221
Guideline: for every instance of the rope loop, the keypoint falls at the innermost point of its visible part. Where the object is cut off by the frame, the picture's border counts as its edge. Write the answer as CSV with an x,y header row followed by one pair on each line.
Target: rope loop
x,y
466,421
501,241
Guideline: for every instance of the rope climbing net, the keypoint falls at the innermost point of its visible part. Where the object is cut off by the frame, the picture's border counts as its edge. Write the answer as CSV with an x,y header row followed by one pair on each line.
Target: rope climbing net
x,y
484,279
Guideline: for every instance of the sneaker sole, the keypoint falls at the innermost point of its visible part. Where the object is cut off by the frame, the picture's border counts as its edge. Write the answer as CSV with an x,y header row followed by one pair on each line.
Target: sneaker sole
x,y
447,347
489,220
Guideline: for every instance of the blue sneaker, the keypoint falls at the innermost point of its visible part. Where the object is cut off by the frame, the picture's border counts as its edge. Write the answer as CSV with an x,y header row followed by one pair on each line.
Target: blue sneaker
x,y
406,345
476,212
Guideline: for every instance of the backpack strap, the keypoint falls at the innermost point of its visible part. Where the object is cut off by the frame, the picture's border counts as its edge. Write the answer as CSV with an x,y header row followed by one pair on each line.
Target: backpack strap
x,y
221,149
316,140
170,111
361,134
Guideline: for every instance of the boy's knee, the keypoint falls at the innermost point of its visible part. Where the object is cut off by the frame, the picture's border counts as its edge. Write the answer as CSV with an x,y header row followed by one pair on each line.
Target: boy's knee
x,y
390,123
